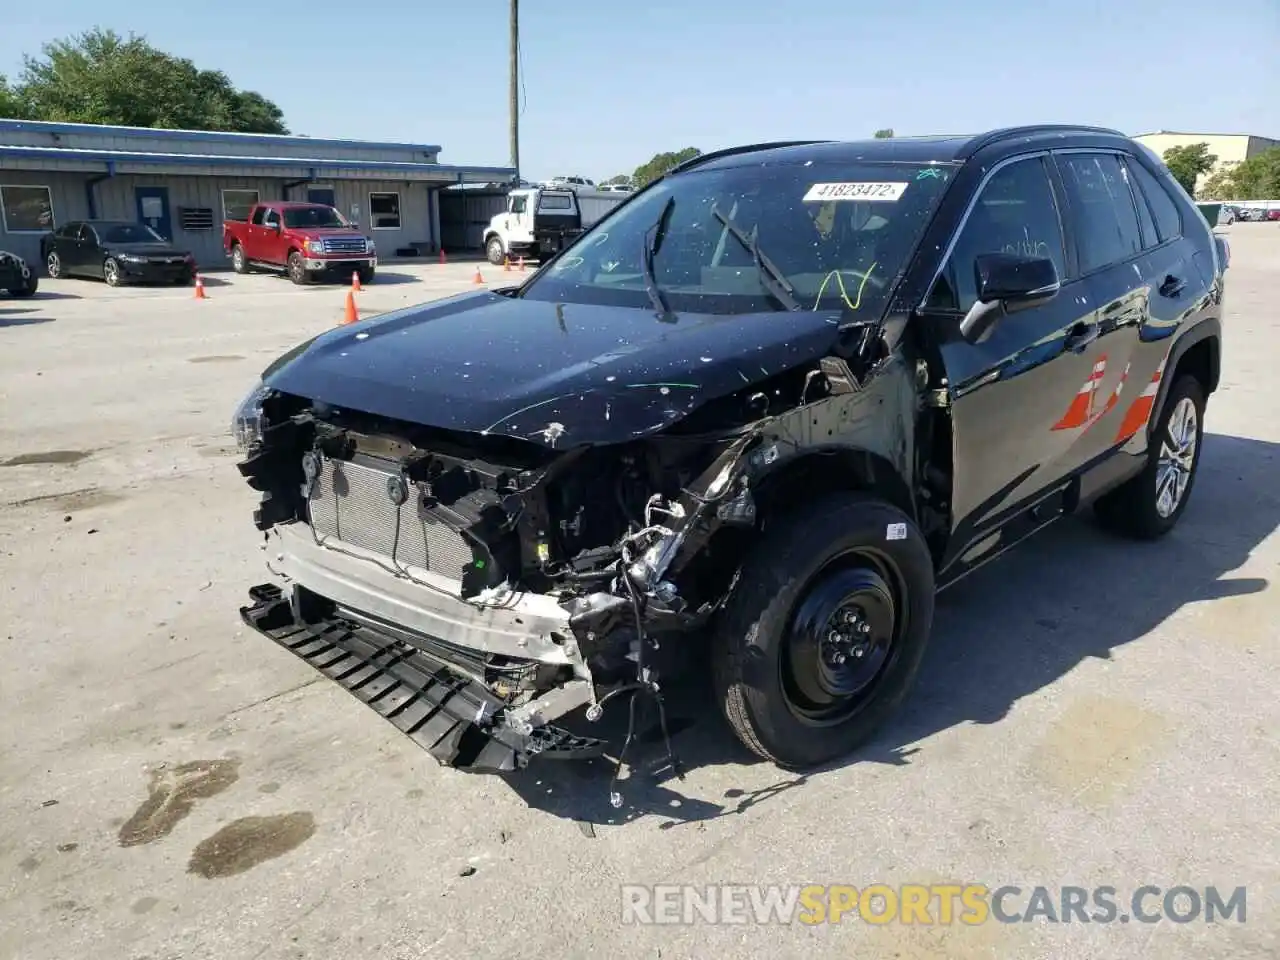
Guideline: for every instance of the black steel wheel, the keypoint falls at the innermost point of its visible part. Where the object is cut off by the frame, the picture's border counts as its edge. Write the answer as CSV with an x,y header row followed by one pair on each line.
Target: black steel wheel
x,y
826,629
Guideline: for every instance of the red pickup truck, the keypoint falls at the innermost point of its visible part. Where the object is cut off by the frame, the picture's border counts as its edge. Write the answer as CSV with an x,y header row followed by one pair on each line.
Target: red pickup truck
x,y
306,240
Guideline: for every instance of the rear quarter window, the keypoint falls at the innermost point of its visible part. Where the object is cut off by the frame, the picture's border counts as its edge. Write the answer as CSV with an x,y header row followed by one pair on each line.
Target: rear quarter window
x,y
1163,208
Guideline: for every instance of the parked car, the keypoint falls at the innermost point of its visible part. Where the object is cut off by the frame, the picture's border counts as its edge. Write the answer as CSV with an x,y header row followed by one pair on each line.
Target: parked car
x,y
117,251
308,241
772,403
1273,214
17,279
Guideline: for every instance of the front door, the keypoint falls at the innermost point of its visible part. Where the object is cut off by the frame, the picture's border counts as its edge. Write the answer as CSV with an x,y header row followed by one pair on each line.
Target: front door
x,y
153,209
321,195
1015,396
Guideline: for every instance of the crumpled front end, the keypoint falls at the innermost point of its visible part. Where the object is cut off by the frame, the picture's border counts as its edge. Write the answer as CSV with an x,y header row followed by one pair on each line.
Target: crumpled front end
x,y
472,590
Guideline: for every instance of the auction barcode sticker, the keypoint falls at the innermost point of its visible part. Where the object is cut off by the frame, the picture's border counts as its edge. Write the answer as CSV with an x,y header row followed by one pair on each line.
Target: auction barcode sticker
x,y
889,192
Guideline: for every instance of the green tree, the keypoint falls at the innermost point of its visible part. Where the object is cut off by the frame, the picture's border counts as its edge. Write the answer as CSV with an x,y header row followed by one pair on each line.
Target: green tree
x,y
1188,163
623,178
660,163
100,77
884,134
1257,178
11,105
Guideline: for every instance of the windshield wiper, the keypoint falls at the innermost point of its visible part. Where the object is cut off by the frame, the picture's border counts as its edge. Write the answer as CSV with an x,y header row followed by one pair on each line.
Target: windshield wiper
x,y
770,275
652,241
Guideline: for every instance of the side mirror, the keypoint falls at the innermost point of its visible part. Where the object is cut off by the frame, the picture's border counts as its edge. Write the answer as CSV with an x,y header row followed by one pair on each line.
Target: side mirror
x,y
1006,283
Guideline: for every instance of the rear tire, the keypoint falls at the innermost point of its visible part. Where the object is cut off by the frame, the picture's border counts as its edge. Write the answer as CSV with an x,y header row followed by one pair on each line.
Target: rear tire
x,y
1136,508
495,251
825,632
239,262
53,265
32,284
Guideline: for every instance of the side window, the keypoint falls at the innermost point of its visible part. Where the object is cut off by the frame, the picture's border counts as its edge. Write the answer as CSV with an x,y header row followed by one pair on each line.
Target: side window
x,y
85,233
1163,207
1015,213
1103,207
1150,238
258,215
519,204
272,219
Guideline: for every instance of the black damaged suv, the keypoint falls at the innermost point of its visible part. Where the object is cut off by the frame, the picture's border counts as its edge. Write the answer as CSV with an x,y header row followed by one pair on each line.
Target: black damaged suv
x,y
773,402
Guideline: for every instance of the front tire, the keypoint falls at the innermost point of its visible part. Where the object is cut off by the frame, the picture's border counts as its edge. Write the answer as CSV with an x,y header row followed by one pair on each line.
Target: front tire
x,y
297,269
1150,505
495,251
366,276
825,631
111,272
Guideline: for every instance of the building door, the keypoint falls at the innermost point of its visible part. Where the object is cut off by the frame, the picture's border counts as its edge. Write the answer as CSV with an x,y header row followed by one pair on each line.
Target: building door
x,y
320,195
153,209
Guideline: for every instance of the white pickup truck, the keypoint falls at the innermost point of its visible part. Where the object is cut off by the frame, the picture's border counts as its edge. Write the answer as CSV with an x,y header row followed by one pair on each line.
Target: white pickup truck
x,y
541,221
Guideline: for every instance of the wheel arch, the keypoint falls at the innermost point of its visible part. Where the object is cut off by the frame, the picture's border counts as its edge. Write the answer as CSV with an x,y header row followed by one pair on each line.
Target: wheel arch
x,y
821,471
1197,352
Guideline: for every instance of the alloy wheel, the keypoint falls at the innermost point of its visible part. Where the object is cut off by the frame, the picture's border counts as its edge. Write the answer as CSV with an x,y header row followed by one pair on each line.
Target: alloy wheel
x,y
1177,457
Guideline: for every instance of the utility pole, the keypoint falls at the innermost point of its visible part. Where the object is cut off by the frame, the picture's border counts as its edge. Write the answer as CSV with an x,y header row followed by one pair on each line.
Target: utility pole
x,y
513,105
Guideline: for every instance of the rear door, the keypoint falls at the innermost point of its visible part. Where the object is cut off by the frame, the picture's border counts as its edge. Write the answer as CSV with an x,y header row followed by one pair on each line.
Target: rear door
x,y
1108,230
1009,394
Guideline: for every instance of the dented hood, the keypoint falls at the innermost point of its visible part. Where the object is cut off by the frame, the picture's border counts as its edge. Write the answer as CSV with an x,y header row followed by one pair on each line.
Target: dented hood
x,y
556,374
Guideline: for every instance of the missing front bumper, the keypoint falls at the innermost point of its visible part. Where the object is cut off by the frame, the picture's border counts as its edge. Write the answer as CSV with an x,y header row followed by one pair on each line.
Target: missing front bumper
x,y
456,719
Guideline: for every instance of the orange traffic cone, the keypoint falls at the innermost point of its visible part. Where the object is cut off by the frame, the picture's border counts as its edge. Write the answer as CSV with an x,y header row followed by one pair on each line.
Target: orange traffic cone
x,y
506,264
200,294
522,264
477,278
351,315
355,281
442,254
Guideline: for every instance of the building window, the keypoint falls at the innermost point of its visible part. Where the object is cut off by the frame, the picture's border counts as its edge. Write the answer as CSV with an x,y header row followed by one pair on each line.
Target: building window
x,y
384,211
236,204
26,209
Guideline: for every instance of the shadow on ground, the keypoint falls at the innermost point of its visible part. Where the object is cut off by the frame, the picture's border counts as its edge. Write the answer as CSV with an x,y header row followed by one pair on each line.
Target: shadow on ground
x,y
9,317
388,278
1012,628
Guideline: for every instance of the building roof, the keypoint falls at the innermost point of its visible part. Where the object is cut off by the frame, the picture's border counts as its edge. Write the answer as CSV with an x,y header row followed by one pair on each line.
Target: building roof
x,y
265,139
423,171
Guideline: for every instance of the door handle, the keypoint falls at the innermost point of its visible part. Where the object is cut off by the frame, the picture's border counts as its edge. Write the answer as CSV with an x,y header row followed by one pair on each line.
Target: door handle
x,y
1081,335
1171,286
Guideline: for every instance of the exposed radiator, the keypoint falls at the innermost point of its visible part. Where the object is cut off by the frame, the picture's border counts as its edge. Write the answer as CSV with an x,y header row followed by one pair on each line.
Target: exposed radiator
x,y
352,503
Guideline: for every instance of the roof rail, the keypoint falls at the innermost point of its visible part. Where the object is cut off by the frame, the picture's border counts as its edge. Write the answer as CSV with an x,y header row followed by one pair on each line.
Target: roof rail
x,y
732,151
1004,133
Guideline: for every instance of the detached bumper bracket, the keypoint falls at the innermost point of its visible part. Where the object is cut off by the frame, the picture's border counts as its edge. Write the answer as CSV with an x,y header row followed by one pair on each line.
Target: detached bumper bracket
x,y
451,716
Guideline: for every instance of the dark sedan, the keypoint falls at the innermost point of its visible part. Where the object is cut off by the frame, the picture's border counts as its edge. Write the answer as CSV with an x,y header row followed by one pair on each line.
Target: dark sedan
x,y
118,251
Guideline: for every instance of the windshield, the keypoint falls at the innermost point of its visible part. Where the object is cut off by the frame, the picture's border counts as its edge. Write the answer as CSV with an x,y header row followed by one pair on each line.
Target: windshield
x,y
837,233
303,217
129,233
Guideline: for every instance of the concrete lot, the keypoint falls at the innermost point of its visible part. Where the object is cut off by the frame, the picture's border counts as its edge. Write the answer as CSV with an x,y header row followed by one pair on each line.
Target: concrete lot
x,y
1091,712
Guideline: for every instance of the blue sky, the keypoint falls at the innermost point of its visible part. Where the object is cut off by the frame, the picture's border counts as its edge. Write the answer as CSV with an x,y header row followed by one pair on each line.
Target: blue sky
x,y
603,92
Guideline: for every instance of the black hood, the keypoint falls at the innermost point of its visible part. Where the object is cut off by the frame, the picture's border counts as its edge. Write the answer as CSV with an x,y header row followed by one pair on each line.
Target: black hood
x,y
557,374
145,249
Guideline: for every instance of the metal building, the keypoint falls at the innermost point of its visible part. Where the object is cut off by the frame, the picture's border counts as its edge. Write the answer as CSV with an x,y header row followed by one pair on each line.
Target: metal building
x,y
186,183
1229,148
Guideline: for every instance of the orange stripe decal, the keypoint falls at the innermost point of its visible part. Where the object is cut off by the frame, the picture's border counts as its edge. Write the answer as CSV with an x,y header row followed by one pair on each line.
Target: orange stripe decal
x,y
1080,411
1139,412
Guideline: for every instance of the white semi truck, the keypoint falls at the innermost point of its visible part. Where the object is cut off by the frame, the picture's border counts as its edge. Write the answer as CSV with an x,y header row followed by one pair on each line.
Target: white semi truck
x,y
541,221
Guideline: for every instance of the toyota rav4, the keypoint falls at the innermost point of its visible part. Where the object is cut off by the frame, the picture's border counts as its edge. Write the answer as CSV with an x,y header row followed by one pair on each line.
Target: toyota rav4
x,y
771,404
